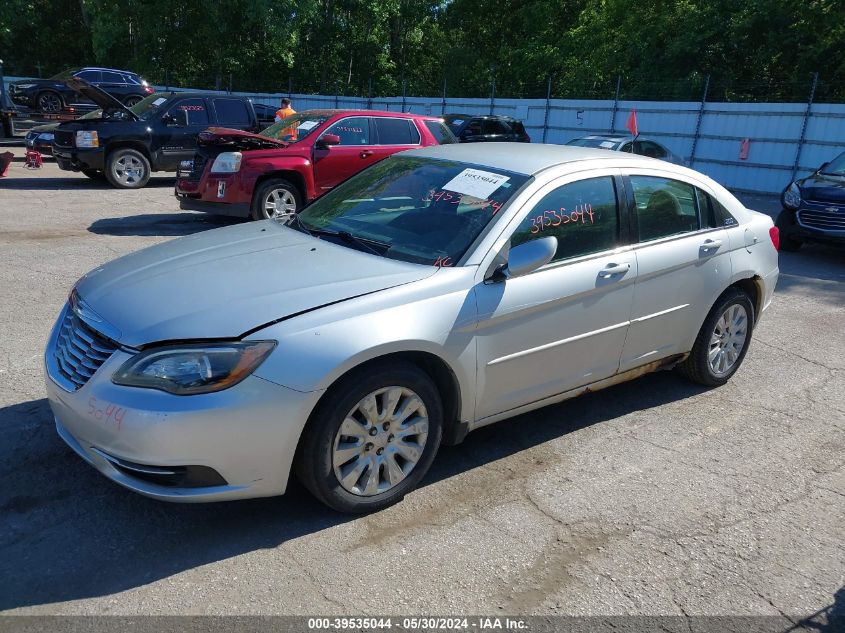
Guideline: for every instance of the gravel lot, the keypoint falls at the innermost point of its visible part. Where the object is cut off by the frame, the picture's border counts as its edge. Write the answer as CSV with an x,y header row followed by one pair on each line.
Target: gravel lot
x,y
653,497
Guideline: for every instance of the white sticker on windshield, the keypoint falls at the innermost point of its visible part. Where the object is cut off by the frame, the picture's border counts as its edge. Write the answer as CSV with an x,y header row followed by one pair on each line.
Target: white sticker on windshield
x,y
306,125
477,183
159,101
606,144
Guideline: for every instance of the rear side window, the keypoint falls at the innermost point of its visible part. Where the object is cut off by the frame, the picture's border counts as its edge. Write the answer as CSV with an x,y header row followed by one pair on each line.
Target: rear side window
x,y
664,207
495,126
89,75
396,131
653,150
713,213
191,112
440,132
582,215
352,131
113,78
232,112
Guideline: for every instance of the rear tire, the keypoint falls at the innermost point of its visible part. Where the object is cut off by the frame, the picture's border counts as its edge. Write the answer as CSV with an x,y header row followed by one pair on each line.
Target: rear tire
x,y
785,223
49,102
127,168
275,198
724,337
130,101
342,450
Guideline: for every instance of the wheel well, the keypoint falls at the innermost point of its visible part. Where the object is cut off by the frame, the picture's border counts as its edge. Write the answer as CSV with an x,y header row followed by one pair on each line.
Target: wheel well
x,y
436,369
293,176
753,287
140,147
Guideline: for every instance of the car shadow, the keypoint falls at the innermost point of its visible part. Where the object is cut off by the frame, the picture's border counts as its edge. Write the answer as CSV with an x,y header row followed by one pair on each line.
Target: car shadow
x,y
818,269
148,224
80,183
68,533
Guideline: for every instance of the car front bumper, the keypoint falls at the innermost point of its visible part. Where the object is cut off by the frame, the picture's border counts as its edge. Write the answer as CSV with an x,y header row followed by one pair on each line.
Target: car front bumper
x,y
78,159
233,444
820,222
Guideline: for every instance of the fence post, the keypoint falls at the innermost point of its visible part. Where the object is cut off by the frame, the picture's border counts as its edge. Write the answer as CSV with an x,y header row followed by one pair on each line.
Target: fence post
x,y
615,104
336,97
230,83
804,124
698,121
290,87
548,100
166,81
493,94
370,93
403,95
443,103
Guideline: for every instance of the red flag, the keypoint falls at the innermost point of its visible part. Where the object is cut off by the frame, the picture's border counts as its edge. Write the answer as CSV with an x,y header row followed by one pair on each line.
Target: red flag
x,y
632,123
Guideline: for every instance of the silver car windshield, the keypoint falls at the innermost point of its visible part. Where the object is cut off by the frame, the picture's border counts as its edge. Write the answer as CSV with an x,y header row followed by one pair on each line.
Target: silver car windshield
x,y
419,210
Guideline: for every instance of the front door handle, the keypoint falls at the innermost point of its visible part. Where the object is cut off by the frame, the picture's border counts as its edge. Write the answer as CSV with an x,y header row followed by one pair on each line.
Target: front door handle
x,y
365,153
614,269
711,246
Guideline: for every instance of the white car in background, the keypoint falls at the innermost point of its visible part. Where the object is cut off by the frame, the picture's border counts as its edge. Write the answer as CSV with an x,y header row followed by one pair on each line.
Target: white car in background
x,y
438,291
639,145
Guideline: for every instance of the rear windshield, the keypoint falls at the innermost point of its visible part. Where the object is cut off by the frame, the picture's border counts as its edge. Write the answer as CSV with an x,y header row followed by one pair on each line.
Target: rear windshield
x,y
440,132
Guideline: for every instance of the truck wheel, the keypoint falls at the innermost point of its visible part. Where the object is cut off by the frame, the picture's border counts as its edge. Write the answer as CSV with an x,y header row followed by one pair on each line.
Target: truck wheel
x,y
275,198
373,439
785,223
94,174
49,101
127,169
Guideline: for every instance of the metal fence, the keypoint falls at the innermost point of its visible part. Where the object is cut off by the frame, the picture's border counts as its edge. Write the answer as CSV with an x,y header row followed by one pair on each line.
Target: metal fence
x,y
752,147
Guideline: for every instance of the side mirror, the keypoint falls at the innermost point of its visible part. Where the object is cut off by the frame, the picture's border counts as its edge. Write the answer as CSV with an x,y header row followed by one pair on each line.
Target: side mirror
x,y
327,140
527,258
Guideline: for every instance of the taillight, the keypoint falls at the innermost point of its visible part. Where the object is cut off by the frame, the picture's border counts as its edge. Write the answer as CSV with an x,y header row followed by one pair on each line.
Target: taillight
x,y
774,234
149,90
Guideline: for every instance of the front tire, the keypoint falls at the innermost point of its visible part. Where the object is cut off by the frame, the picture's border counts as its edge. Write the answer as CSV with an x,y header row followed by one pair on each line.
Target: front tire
x,y
49,102
274,199
785,223
373,439
127,169
722,342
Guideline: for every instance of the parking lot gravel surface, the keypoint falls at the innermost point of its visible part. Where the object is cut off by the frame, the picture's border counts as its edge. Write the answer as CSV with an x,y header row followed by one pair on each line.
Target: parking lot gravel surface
x,y
654,497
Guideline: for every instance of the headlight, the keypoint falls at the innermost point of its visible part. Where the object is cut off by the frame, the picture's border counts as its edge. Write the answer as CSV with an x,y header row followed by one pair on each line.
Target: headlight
x,y
792,196
191,369
45,136
87,139
227,163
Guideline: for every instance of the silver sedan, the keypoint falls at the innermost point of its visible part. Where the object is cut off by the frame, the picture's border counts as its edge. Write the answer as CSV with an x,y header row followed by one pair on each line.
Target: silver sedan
x,y
436,292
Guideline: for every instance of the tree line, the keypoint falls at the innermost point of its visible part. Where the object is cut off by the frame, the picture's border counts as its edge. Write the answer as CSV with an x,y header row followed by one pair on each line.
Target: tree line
x,y
654,49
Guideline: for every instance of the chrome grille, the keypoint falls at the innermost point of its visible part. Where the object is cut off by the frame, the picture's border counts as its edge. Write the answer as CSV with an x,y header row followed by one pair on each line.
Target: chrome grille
x,y
80,350
823,219
197,167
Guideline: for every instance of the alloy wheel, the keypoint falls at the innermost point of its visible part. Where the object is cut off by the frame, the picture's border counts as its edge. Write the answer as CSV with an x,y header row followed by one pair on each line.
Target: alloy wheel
x,y
728,339
278,203
49,102
380,441
128,170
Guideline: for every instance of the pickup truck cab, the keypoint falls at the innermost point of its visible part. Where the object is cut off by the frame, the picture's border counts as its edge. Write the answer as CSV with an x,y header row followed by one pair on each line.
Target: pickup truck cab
x,y
125,147
296,160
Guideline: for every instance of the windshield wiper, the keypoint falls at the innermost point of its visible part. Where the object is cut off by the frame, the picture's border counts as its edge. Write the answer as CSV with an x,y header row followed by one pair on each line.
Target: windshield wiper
x,y
365,242
296,220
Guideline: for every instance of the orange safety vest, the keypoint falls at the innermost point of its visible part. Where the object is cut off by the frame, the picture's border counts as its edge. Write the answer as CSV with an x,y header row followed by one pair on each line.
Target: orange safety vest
x,y
283,113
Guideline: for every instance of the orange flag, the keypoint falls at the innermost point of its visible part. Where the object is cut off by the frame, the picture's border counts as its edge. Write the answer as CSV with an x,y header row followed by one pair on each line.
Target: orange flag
x,y
632,123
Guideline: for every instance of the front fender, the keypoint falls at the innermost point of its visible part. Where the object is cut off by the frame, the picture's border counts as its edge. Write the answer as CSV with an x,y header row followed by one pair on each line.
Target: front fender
x,y
255,168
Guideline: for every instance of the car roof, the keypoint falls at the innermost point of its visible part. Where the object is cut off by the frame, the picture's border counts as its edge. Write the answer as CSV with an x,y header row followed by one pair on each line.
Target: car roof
x,y
502,117
377,113
114,70
521,158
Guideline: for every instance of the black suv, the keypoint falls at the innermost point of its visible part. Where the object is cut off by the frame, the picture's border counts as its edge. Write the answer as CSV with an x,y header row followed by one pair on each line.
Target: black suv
x,y
54,94
125,145
471,128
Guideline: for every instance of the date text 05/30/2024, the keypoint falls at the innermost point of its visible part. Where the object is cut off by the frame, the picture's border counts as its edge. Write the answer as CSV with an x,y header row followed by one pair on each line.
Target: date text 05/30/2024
x,y
417,624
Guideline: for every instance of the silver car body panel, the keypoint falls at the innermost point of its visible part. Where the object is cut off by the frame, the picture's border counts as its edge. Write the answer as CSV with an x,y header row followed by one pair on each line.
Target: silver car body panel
x,y
510,346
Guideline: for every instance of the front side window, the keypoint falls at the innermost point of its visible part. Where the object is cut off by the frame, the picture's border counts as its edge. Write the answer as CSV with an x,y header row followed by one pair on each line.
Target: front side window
x,y
190,112
352,131
396,131
419,210
664,207
90,76
582,215
232,112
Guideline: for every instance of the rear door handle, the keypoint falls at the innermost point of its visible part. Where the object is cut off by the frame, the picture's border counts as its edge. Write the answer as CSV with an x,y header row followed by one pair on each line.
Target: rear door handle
x,y
365,153
614,269
711,246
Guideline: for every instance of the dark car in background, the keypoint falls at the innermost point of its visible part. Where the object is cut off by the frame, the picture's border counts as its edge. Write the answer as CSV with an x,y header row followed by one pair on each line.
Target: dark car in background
x,y
814,207
54,94
617,143
125,146
475,128
266,114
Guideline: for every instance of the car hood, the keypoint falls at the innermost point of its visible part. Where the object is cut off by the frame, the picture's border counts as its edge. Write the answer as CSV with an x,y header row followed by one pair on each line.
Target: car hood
x,y
100,97
237,139
227,282
823,188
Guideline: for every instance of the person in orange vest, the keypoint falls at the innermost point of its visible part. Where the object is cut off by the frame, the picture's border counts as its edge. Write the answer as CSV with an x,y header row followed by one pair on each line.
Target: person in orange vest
x,y
285,111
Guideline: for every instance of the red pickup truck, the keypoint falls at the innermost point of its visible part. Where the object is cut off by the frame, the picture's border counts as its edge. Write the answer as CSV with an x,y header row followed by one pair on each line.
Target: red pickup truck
x,y
296,160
